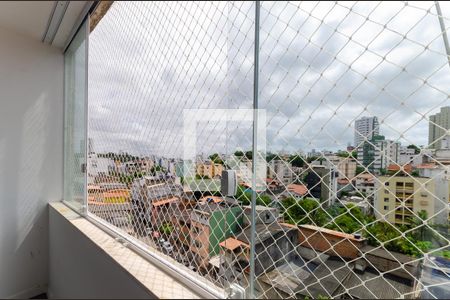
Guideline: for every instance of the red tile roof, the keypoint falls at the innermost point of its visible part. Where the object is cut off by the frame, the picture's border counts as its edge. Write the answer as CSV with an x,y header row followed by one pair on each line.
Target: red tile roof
x,y
366,176
232,243
394,167
427,166
329,231
299,189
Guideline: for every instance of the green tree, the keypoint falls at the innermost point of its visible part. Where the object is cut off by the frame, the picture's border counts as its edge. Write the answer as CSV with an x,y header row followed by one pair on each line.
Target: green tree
x,y
239,153
387,234
155,169
381,232
303,211
344,194
297,161
271,156
128,179
312,158
443,253
350,219
362,194
166,228
245,197
343,154
249,154
359,170
416,149
215,158
264,200
420,230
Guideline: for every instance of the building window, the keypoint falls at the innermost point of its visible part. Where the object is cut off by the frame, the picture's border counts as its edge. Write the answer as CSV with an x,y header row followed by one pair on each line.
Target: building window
x,y
386,191
386,199
386,183
386,207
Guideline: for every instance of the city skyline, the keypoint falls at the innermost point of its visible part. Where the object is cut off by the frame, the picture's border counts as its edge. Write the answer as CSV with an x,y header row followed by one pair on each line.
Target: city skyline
x,y
300,152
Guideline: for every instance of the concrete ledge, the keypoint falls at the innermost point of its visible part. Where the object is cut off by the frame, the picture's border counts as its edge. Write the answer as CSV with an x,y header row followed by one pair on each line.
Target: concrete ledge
x,y
86,262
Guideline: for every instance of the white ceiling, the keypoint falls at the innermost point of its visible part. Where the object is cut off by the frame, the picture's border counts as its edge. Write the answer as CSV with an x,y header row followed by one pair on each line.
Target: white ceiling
x,y
30,18
70,17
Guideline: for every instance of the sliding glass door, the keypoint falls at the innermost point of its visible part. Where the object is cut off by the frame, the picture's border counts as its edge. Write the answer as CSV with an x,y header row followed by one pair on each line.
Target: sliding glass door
x,y
75,105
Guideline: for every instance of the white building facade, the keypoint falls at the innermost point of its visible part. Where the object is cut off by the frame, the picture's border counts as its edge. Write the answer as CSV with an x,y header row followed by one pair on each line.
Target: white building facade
x,y
365,129
387,152
281,170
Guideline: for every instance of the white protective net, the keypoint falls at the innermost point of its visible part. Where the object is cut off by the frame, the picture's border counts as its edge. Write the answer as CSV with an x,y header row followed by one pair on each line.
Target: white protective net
x,y
351,184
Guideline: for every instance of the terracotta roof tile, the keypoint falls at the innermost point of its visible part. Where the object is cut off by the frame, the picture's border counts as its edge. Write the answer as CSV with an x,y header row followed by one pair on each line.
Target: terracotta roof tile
x,y
299,189
232,243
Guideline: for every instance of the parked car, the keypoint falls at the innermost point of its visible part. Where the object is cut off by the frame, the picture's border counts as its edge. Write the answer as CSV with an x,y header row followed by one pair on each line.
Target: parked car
x,y
166,247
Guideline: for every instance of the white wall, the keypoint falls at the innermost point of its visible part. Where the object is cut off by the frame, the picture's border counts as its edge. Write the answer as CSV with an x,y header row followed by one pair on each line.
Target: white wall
x,y
31,151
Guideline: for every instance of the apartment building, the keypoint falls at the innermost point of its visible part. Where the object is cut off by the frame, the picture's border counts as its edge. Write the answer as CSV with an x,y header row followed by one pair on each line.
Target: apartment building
x,y
345,166
211,223
439,168
438,125
365,129
442,155
244,170
399,198
281,171
378,153
386,153
154,201
312,153
209,169
409,156
99,167
321,182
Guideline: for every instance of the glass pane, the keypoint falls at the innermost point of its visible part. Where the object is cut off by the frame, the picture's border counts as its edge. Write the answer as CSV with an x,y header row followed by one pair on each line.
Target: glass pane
x,y
175,70
75,120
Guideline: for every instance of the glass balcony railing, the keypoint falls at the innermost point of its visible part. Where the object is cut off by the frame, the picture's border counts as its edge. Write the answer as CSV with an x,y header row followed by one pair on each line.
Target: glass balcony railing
x,y
239,139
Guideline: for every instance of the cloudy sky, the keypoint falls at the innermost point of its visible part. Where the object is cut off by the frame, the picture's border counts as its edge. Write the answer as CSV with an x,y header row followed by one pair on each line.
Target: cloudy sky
x,y
322,66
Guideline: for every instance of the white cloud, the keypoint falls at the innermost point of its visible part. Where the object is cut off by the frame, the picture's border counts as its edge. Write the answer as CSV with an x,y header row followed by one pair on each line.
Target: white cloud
x,y
151,60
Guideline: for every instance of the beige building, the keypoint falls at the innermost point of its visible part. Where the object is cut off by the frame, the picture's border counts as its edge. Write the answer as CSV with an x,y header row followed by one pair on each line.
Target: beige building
x,y
365,183
397,197
345,166
209,169
281,171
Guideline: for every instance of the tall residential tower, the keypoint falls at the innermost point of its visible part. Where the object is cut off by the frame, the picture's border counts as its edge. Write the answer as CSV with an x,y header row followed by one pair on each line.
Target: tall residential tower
x,y
438,127
366,128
